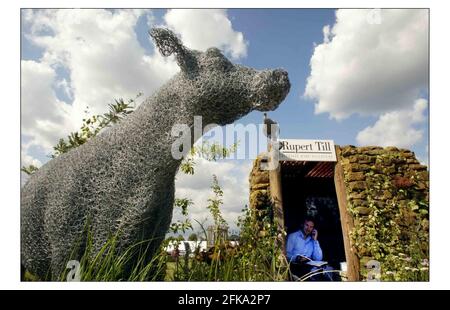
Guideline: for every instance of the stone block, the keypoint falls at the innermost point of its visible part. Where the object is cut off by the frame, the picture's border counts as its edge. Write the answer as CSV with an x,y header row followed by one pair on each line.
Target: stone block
x,y
356,176
357,195
375,152
407,154
357,186
363,211
418,167
260,186
261,177
359,167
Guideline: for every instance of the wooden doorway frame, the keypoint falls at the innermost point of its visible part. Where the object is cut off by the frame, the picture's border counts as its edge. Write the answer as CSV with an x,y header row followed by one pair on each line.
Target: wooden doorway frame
x,y
345,217
346,220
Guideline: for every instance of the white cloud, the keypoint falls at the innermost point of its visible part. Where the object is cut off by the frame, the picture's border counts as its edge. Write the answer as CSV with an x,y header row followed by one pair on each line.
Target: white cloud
x,y
370,68
201,29
64,85
44,117
27,160
100,50
233,179
396,128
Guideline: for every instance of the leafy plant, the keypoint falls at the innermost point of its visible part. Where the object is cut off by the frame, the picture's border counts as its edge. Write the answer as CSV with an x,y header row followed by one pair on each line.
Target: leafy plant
x,y
93,125
90,128
395,232
29,169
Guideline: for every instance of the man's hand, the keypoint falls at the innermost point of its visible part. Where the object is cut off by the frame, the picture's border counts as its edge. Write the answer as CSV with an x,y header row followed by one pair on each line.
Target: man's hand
x,y
314,234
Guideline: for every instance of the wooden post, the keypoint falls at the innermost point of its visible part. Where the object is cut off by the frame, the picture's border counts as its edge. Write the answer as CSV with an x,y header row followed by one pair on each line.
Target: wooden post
x,y
275,193
346,220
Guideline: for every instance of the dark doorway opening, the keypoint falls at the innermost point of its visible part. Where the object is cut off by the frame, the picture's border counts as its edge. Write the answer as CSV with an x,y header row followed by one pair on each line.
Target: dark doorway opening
x,y
308,189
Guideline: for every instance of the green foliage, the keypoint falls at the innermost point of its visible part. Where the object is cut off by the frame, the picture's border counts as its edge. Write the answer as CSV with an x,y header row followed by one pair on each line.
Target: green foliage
x,y
94,124
257,257
193,237
209,151
29,169
107,264
181,226
183,204
187,166
262,246
395,232
61,148
234,237
214,151
215,203
90,128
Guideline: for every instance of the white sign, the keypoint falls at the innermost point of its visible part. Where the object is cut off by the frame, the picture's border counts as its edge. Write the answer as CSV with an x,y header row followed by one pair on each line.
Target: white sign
x,y
307,150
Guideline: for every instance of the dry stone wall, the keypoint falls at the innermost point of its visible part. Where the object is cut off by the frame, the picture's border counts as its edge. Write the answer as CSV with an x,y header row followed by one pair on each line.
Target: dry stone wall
x,y
388,199
387,194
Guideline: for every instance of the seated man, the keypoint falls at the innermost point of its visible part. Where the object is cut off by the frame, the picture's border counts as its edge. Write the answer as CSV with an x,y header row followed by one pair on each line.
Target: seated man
x,y
303,246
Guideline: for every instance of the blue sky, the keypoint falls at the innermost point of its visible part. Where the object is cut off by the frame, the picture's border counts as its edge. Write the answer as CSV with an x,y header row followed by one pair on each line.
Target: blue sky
x,y
369,80
292,51
276,38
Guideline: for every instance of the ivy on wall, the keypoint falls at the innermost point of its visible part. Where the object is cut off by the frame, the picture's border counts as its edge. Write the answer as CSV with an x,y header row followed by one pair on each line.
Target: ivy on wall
x,y
387,192
388,198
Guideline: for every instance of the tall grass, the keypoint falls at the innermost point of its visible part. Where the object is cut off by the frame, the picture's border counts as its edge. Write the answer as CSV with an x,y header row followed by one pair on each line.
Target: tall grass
x,y
257,257
111,264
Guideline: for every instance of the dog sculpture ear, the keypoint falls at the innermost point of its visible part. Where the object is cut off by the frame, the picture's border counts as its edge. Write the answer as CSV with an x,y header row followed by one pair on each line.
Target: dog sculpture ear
x,y
168,43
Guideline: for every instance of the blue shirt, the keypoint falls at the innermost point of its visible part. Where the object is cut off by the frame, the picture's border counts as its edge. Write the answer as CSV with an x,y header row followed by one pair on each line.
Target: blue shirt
x,y
298,245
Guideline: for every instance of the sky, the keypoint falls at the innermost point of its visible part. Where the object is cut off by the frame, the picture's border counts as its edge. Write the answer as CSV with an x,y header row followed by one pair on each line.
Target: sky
x,y
358,77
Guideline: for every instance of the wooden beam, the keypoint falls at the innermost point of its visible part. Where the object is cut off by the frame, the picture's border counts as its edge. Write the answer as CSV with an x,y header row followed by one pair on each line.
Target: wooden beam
x,y
346,220
275,193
